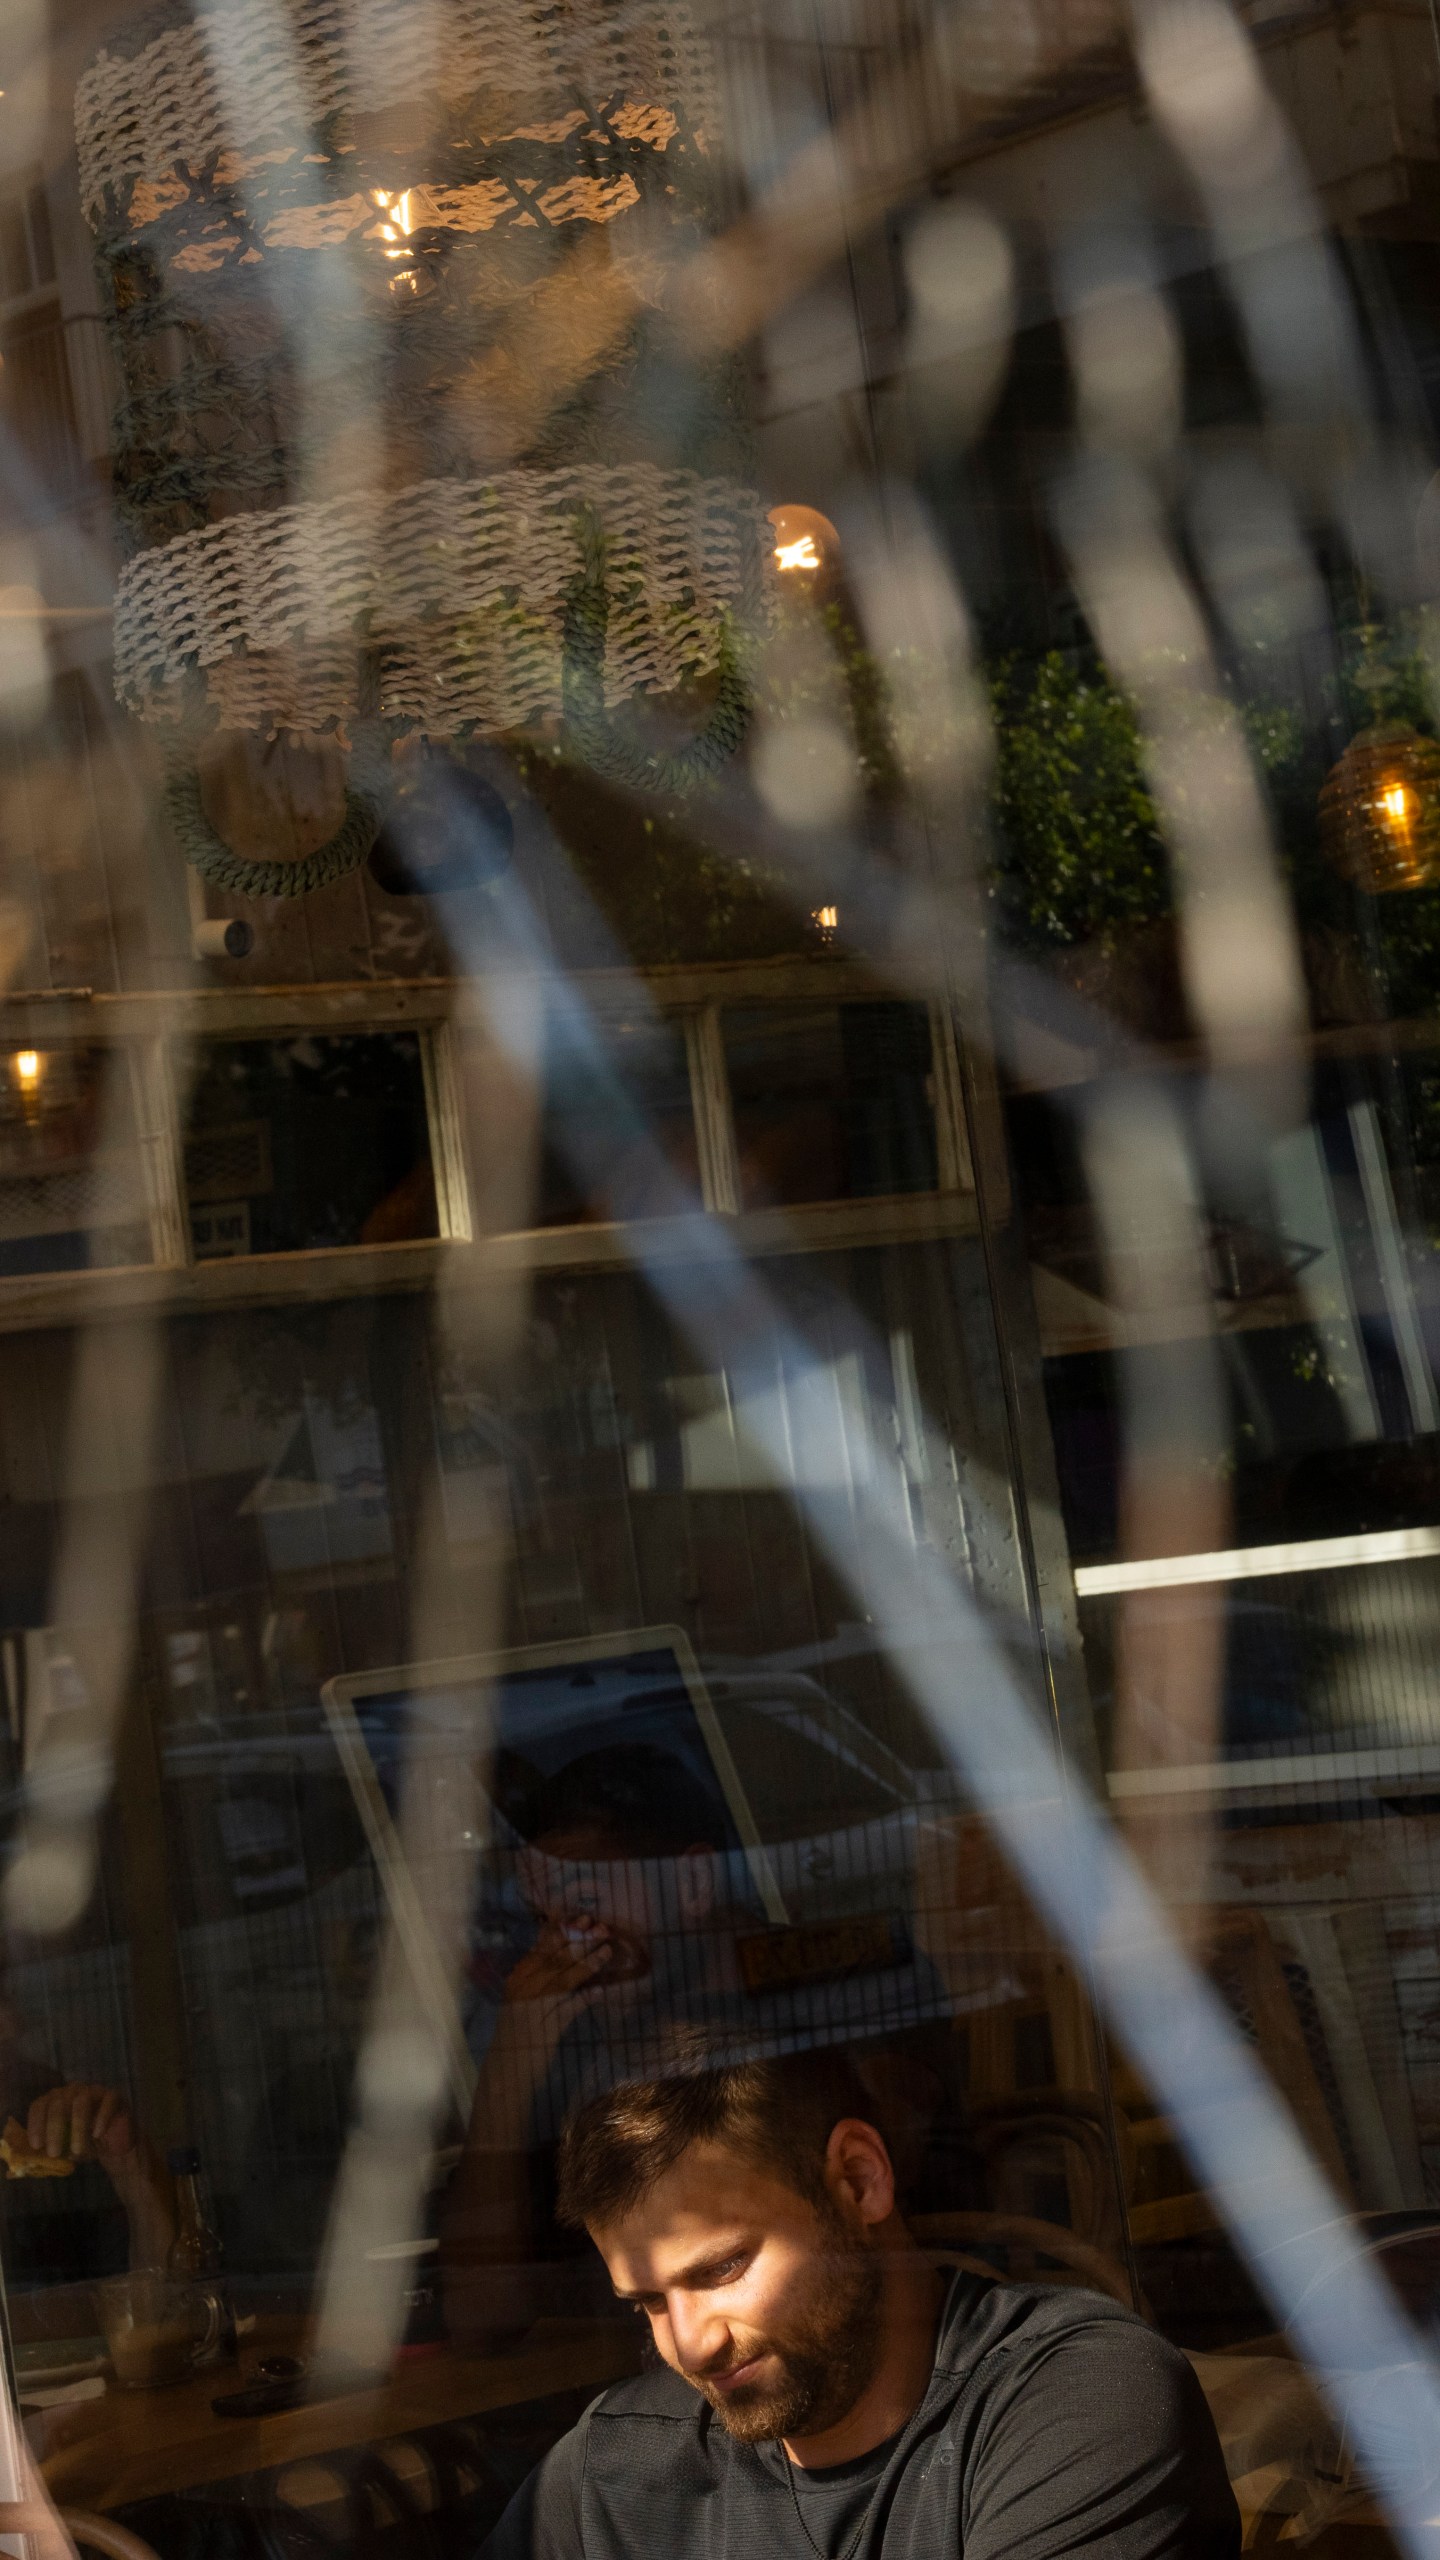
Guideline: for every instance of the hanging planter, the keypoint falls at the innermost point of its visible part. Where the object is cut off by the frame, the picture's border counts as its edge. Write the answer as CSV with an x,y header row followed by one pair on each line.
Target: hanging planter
x,y
562,517
1380,810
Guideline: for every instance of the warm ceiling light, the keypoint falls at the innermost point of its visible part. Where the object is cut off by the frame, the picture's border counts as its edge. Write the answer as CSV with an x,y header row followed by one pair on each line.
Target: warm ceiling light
x,y
805,541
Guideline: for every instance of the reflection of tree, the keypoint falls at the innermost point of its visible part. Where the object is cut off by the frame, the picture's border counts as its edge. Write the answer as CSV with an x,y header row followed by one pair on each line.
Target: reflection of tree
x,y
1080,852
1081,859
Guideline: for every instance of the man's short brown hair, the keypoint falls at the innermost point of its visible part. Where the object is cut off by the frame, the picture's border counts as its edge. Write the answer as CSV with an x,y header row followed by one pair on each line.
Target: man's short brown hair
x,y
778,2113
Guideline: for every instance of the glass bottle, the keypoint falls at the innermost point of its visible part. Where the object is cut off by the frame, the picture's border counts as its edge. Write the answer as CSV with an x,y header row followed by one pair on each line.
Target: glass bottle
x,y
196,2252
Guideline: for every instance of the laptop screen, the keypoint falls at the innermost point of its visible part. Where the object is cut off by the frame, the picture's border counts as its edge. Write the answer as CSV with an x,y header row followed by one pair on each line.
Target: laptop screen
x,y
541,1719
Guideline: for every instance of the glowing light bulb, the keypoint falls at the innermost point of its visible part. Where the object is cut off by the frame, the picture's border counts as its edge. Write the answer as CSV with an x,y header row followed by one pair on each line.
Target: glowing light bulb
x,y
798,555
805,541
27,1068
826,921
1396,803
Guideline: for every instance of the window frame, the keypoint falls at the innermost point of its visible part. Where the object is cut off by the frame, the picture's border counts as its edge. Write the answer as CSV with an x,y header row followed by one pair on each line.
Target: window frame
x,y
162,1032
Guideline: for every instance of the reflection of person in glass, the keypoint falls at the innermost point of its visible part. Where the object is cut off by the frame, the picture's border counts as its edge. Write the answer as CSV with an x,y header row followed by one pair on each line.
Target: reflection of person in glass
x,y
106,2200
619,1870
820,2389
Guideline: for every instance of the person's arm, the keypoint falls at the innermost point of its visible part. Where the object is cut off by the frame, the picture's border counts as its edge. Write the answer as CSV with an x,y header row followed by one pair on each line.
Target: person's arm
x,y
1100,2444
487,2234
85,2120
542,2521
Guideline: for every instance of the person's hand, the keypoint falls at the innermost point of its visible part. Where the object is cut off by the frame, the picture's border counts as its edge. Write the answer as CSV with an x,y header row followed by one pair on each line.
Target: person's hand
x,y
568,1957
82,2120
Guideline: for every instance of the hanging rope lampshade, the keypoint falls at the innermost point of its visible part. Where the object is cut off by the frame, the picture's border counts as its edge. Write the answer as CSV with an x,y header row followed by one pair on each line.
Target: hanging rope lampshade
x,y
557,517
1380,810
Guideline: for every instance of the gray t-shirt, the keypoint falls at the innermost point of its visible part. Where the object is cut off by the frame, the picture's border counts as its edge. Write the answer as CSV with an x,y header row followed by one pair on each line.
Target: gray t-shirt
x,y
1055,2425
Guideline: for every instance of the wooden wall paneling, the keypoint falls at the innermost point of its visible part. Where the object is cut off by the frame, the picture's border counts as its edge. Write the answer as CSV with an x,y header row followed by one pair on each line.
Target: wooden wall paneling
x,y
34,1381
552,1578
26,871
609,1594
67,843
123,772
669,1581
27,943
727,1606
646,1352
550,1574
606,1320
339,922
786,1617
405,940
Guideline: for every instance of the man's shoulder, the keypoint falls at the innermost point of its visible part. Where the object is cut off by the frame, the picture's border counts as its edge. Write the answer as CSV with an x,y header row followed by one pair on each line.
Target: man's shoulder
x,y
1032,2322
655,2393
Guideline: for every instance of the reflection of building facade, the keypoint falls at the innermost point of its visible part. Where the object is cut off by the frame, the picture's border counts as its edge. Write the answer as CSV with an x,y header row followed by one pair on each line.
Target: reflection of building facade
x,y
337,1280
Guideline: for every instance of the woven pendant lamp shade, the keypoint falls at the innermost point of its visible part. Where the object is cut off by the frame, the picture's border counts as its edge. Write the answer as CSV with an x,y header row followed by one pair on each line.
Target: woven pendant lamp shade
x,y
1380,810
469,211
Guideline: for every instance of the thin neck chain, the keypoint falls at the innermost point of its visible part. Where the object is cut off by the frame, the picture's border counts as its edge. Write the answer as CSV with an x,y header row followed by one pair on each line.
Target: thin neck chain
x,y
853,2545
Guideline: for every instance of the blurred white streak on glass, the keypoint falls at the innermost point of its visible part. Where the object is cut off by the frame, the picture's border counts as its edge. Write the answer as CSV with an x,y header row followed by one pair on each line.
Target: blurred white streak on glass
x,y
805,772
1238,2134
1253,557
1125,349
394,53
840,182
340,432
1304,1205
1206,88
919,632
1174,1488
768,113
1238,953
987,51
25,79
812,350
960,275
107,1472
24,649
1397,1281
404,2083
106,1480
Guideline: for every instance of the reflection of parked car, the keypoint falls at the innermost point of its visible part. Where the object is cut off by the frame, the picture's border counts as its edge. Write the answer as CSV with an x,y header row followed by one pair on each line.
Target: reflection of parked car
x,y
812,1823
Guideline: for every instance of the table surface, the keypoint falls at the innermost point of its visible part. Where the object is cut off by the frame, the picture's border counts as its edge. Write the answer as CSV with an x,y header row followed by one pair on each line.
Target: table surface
x,y
139,2444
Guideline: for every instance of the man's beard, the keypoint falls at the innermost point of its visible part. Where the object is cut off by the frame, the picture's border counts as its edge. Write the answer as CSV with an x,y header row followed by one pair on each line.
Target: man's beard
x,y
827,2352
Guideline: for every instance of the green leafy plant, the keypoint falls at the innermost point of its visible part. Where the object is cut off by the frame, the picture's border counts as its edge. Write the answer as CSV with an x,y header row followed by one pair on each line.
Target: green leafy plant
x,y
1079,846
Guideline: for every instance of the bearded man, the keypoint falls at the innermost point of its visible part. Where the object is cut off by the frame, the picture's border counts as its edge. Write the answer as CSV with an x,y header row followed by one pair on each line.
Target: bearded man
x,y
823,2392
